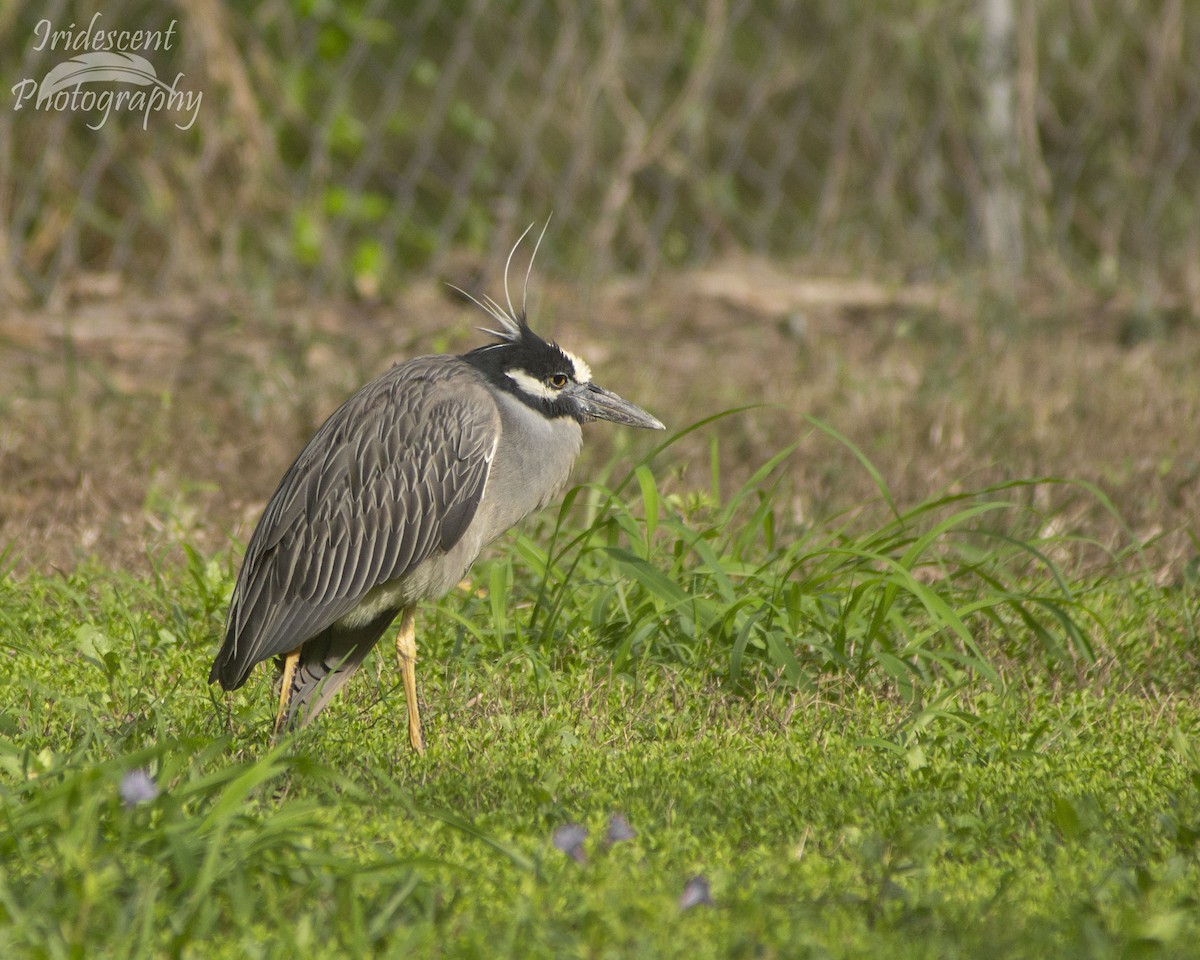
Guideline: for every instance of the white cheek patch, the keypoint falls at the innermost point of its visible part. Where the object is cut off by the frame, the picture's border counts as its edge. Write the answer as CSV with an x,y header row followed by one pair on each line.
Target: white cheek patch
x,y
583,373
531,386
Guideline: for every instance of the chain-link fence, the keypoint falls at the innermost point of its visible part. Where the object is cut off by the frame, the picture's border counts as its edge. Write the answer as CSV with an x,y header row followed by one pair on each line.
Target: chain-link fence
x,y
340,146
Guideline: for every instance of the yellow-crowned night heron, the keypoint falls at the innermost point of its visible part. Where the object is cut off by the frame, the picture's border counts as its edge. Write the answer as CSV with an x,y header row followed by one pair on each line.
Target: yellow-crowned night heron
x,y
393,499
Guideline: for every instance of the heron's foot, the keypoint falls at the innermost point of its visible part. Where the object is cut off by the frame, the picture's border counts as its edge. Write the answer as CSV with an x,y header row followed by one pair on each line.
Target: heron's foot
x,y
415,736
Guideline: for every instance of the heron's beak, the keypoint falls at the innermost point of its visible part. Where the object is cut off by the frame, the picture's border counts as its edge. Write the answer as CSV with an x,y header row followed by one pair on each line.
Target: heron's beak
x,y
601,404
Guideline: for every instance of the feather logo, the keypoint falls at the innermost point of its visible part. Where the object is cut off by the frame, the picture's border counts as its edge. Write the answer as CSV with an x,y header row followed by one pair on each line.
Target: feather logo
x,y
95,66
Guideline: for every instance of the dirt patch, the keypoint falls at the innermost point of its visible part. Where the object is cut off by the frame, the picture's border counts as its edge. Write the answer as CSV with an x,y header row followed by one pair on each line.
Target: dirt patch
x,y
132,423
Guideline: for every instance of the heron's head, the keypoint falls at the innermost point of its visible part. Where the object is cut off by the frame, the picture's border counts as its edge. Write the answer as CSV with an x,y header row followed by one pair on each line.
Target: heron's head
x,y
540,373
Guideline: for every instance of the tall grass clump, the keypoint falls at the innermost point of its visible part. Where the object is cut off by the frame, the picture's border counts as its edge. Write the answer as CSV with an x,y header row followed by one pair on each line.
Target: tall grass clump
x,y
963,587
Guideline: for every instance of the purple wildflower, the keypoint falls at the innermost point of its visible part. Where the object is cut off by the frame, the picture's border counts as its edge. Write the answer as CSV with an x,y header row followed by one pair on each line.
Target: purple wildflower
x,y
137,786
569,839
695,894
619,829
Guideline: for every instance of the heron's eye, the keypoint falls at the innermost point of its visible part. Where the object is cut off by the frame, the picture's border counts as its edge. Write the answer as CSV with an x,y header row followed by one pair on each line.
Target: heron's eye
x,y
557,380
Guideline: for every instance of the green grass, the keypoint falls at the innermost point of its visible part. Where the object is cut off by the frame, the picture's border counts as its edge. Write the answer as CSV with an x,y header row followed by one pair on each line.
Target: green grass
x,y
953,730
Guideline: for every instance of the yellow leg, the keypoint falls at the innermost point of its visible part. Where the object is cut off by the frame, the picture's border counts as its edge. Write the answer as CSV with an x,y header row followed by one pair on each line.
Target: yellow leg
x,y
406,656
285,687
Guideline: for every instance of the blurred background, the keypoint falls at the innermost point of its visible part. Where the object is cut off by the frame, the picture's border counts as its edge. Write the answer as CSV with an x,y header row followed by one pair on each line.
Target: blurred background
x,y
346,145
966,233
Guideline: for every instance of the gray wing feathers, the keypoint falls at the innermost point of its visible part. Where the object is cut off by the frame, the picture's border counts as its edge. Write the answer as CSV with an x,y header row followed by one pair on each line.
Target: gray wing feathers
x,y
393,476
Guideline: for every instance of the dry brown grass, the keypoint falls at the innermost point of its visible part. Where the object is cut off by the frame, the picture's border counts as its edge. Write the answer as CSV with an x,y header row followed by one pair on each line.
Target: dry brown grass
x,y
130,424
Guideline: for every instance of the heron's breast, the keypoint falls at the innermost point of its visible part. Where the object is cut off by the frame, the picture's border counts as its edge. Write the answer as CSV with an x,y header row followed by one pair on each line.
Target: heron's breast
x,y
532,465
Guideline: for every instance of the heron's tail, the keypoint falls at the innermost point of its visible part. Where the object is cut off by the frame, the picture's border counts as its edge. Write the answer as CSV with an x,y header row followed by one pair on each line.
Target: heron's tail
x,y
326,662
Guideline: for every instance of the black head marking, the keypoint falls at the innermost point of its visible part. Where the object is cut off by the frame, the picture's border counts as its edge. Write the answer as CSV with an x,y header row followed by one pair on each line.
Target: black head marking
x,y
536,371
